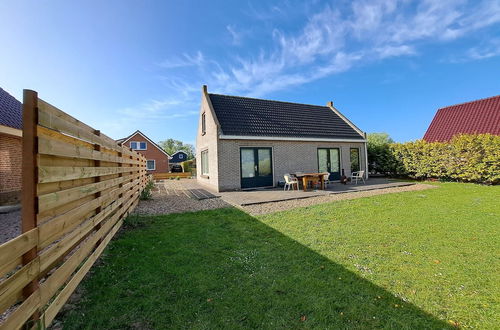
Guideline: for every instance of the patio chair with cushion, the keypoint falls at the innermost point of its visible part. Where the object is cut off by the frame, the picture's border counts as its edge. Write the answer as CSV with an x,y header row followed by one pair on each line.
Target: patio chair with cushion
x,y
326,179
290,181
355,176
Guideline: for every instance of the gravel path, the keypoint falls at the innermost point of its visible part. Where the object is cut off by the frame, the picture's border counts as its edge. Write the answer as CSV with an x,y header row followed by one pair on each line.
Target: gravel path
x,y
161,203
291,204
10,225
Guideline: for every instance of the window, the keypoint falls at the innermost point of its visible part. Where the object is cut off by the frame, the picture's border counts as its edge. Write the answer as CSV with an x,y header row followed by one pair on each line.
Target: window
x,y
355,160
204,162
138,145
151,165
203,125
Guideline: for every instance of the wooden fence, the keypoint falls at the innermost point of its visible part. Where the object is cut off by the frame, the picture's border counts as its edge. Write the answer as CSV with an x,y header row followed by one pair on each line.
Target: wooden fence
x,y
78,185
166,176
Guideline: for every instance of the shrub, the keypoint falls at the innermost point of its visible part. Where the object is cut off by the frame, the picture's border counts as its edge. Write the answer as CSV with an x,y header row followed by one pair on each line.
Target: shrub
x,y
177,177
381,159
186,166
146,192
466,158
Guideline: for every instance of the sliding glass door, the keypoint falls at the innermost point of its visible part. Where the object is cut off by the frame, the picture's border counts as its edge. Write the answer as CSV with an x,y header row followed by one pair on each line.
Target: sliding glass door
x,y
256,167
329,161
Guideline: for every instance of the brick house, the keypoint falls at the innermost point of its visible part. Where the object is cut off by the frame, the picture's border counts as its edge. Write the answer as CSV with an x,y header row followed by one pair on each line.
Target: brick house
x,y
11,125
157,158
475,117
245,142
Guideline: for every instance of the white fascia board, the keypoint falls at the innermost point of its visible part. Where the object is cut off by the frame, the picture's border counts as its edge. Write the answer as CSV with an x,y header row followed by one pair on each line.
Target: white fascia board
x,y
278,138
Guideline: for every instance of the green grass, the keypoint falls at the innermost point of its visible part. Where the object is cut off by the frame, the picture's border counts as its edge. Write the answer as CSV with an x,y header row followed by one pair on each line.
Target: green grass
x,y
423,259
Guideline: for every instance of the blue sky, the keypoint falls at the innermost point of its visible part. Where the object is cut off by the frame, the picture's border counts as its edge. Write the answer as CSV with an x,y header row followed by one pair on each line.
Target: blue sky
x,y
125,65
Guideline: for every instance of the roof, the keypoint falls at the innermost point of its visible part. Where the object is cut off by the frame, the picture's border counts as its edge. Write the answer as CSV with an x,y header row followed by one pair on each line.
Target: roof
x,y
123,140
243,116
11,111
476,117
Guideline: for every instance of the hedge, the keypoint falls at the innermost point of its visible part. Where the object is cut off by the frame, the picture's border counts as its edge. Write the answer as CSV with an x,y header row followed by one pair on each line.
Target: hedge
x,y
466,158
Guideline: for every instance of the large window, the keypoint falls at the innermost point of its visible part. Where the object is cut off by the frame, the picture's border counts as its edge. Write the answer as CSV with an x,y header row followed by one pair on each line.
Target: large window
x,y
204,162
203,124
151,165
355,160
135,145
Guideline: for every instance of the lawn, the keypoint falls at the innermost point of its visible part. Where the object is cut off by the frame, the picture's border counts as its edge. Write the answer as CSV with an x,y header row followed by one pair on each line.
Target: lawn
x,y
423,259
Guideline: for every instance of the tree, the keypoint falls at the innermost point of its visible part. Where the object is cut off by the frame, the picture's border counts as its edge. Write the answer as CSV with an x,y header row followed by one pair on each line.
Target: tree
x,y
171,146
380,157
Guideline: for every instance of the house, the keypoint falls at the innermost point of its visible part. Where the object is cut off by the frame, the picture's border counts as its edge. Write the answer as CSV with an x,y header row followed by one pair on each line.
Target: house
x,y
178,157
476,117
11,133
157,158
246,142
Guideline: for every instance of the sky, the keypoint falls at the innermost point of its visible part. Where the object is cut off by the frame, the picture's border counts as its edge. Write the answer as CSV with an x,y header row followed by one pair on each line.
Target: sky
x,y
123,65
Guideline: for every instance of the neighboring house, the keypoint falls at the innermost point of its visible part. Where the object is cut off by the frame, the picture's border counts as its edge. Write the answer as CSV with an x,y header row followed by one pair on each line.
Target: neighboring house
x,y
245,142
476,117
178,157
157,158
11,125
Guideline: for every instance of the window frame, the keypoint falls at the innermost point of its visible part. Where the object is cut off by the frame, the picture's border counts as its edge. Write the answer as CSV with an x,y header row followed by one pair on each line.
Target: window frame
x,y
154,164
203,124
204,155
138,145
359,158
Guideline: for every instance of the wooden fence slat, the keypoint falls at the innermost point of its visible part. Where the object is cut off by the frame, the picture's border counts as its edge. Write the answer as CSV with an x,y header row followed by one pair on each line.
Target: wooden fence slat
x,y
22,313
60,248
13,249
64,223
81,184
11,288
59,173
58,198
66,146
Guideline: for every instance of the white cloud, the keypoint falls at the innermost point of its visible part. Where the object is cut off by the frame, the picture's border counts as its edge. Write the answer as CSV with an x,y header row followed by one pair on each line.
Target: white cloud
x,y
332,40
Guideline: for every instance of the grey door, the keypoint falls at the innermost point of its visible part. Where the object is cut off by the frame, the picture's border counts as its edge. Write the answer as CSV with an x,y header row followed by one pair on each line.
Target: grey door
x,y
329,161
256,167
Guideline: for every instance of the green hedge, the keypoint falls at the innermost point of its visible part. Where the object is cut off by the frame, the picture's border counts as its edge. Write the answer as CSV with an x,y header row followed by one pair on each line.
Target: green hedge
x,y
467,158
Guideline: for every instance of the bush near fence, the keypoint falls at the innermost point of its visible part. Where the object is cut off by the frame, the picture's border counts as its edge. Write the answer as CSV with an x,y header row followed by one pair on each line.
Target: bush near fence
x,y
78,186
466,158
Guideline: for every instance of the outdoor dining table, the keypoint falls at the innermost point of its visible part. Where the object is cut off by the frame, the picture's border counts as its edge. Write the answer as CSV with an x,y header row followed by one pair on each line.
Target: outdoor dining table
x,y
308,177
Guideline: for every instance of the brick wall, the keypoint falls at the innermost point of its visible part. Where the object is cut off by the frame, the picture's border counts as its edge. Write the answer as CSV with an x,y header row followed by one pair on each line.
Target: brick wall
x,y
10,166
287,157
151,153
208,141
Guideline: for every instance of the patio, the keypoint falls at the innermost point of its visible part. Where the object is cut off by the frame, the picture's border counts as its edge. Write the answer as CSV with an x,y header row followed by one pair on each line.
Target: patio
x,y
260,196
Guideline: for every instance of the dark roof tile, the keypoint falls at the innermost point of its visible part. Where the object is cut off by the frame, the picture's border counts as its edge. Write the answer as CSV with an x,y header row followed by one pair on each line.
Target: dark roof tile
x,y
243,116
11,110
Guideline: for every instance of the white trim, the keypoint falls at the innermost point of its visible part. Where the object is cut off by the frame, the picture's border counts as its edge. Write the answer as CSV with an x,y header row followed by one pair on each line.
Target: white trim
x,y
273,163
138,144
366,158
277,138
11,131
148,139
154,164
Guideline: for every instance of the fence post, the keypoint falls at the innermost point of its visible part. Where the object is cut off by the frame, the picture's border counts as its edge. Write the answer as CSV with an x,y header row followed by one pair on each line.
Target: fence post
x,y
29,200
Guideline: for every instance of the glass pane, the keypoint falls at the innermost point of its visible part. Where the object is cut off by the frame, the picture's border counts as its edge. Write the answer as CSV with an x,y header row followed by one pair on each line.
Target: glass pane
x,y
133,145
264,162
204,162
354,159
322,160
143,145
334,160
150,164
247,163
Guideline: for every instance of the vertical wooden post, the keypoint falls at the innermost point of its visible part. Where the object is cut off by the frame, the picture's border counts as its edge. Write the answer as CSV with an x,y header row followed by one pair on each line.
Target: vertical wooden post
x,y
29,198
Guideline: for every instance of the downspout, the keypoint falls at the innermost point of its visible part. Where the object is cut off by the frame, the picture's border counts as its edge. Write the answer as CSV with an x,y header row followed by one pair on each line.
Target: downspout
x,y
366,156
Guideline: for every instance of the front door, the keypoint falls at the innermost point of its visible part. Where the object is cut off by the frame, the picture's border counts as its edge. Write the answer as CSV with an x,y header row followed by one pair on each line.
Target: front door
x,y
256,167
329,161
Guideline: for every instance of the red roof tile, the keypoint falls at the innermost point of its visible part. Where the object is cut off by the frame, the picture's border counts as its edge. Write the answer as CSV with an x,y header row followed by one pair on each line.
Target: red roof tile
x,y
476,117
